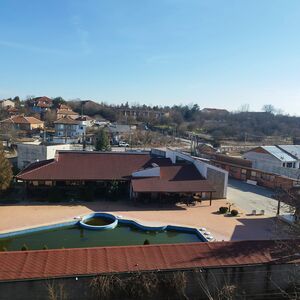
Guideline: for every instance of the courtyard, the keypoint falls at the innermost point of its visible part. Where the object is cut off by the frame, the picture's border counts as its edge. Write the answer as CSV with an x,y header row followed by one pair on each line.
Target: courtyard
x,y
25,215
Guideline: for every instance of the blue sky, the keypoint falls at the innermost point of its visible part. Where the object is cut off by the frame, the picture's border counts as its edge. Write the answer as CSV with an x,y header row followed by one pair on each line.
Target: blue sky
x,y
214,53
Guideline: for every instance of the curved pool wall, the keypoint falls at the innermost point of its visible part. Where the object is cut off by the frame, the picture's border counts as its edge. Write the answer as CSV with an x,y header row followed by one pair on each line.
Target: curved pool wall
x,y
119,219
163,228
112,218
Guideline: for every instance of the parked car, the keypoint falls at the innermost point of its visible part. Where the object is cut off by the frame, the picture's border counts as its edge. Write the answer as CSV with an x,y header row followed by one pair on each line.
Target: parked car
x,y
123,144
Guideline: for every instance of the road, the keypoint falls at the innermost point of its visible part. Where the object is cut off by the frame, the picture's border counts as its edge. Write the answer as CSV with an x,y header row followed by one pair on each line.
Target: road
x,y
249,197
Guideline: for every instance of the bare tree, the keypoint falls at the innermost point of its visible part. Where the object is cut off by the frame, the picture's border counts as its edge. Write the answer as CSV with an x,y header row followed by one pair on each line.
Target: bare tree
x,y
269,108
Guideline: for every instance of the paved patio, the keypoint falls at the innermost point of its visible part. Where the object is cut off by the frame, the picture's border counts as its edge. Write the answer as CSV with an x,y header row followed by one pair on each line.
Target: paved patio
x,y
251,197
244,227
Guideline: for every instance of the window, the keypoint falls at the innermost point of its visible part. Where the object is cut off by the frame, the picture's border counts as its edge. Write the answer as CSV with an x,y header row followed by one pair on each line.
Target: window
x,y
289,165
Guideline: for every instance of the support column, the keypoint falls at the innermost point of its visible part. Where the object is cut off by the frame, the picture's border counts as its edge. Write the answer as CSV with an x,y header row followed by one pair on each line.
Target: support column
x,y
278,207
210,198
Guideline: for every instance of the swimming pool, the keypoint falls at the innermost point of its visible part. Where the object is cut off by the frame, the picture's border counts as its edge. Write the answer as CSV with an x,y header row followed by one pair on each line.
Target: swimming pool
x,y
72,235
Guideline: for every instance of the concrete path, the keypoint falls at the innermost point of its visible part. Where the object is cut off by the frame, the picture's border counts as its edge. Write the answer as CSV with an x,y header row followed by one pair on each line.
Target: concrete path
x,y
250,197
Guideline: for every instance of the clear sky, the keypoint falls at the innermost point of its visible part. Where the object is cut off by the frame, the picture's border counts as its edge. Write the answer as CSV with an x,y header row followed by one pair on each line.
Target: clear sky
x,y
215,53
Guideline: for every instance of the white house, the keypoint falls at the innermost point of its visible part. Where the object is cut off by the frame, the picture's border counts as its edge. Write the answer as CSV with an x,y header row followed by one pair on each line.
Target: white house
x,y
86,120
68,130
4,104
279,156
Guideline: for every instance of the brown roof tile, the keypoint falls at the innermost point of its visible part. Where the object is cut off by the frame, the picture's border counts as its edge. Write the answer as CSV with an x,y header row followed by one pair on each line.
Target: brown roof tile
x,y
44,264
66,120
22,120
64,111
174,178
91,166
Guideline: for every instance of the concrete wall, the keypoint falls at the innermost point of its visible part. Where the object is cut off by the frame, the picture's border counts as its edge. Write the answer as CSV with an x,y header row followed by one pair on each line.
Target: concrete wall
x,y
219,181
260,159
270,164
29,153
254,281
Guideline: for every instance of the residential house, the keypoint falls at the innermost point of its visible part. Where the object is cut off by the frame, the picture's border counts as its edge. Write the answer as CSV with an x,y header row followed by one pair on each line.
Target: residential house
x,y
5,104
117,131
68,130
101,122
86,121
40,104
21,122
65,111
216,111
12,111
134,113
286,156
282,160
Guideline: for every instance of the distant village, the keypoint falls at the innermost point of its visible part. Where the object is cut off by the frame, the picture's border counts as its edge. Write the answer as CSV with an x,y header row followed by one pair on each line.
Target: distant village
x,y
203,190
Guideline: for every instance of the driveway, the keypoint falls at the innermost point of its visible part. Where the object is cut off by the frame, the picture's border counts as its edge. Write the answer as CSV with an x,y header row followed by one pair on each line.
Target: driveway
x,y
249,197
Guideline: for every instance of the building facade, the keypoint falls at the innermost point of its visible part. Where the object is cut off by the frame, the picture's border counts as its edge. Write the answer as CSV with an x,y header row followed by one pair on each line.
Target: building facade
x,y
68,130
29,152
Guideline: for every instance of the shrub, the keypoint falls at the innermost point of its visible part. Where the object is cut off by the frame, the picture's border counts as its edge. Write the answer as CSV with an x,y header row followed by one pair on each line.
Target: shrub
x,y
4,248
234,212
45,247
223,210
146,242
24,247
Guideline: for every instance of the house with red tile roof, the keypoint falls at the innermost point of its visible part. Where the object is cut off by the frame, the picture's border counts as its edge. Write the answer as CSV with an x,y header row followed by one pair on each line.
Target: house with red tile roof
x,y
40,104
21,122
65,111
68,130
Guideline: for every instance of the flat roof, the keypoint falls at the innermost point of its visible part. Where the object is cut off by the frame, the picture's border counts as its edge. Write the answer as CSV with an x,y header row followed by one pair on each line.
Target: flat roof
x,y
45,264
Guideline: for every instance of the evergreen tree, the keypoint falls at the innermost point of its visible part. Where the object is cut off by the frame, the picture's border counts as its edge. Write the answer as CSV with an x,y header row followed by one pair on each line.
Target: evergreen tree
x,y
102,141
5,171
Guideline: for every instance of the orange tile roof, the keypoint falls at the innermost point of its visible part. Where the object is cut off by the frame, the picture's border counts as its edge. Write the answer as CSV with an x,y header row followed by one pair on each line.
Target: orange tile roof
x,y
45,264
66,112
66,120
23,120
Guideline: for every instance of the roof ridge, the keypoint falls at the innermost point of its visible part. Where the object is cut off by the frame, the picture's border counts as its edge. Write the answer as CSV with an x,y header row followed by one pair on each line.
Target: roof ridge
x,y
287,152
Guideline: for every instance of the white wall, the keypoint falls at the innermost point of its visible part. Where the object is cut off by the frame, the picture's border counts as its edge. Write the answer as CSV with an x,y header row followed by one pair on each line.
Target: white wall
x,y
261,159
